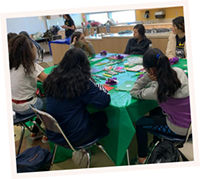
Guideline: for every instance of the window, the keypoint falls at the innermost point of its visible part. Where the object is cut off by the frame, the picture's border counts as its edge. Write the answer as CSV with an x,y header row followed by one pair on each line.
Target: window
x,y
99,17
123,16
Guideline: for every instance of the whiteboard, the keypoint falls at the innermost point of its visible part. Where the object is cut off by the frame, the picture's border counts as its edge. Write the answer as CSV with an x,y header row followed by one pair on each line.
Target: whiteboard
x,y
31,25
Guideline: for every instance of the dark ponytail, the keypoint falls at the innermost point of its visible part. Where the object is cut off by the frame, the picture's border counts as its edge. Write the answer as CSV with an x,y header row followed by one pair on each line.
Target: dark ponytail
x,y
168,82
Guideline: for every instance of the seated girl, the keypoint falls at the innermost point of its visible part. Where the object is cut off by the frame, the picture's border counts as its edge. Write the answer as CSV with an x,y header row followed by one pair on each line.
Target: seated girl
x,y
169,86
140,43
78,40
69,88
23,75
39,49
176,46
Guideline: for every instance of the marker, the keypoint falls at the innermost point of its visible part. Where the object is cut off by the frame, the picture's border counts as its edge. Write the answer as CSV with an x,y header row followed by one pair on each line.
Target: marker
x,y
107,75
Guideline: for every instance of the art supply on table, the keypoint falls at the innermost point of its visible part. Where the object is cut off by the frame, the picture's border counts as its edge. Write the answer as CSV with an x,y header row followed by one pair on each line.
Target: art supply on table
x,y
115,62
96,79
111,81
126,65
174,60
119,69
100,77
108,68
103,56
124,55
103,53
116,57
108,87
95,59
111,73
102,63
126,86
137,74
135,61
95,70
107,75
135,68
140,76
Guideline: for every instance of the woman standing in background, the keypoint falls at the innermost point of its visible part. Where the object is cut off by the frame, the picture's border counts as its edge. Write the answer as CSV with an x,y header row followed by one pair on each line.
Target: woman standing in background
x,y
69,25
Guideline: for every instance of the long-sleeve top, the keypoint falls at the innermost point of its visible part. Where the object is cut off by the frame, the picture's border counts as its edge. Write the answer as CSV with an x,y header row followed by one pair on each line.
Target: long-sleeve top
x,y
73,116
84,48
171,47
177,107
137,48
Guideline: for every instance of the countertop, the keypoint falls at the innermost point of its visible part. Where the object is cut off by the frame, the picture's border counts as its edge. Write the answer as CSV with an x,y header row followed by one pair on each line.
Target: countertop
x,y
145,24
116,35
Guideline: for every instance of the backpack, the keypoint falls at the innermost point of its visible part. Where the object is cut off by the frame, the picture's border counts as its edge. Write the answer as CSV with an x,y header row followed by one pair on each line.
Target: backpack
x,y
165,151
49,34
34,159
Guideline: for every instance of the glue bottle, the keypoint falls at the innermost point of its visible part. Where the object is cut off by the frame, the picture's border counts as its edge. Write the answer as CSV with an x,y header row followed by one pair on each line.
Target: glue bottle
x,y
95,32
150,46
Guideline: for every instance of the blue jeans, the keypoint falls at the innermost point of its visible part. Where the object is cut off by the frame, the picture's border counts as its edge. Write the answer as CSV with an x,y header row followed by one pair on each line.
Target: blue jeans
x,y
155,122
39,104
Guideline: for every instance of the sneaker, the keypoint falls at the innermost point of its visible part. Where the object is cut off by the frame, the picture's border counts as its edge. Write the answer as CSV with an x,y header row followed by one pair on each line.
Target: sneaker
x,y
34,136
45,139
137,161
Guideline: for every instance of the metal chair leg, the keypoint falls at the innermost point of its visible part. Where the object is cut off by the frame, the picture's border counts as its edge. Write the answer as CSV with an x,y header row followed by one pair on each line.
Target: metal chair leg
x,y
54,154
128,156
103,150
88,156
21,139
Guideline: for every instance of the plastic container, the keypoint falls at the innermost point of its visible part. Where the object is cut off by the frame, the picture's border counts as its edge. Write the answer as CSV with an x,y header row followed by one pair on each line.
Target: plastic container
x,y
95,33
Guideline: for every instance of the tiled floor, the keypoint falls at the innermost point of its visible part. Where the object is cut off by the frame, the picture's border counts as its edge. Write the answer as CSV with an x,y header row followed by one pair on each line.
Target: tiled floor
x,y
98,159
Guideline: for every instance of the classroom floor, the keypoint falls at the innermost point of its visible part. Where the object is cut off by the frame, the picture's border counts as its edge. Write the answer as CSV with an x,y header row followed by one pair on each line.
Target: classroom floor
x,y
98,159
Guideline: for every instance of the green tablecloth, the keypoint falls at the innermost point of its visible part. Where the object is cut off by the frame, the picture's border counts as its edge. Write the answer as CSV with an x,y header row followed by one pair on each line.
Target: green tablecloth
x,y
122,112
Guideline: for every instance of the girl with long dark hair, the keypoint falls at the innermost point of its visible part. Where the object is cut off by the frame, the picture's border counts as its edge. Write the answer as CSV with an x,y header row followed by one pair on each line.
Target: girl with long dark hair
x,y
69,88
39,49
23,75
10,35
69,25
78,40
140,43
169,86
176,46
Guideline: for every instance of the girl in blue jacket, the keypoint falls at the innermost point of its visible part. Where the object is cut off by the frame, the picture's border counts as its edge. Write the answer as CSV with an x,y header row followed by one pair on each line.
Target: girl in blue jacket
x,y
69,89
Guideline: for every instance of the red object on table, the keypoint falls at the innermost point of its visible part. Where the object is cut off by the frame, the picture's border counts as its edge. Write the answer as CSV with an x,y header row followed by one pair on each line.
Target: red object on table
x,y
107,87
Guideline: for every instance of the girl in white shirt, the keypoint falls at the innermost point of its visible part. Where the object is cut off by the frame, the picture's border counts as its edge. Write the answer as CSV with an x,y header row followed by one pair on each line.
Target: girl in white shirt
x,y
23,74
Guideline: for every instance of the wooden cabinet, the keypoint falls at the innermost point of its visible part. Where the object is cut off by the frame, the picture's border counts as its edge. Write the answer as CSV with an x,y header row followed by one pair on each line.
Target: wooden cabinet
x,y
118,44
62,33
58,51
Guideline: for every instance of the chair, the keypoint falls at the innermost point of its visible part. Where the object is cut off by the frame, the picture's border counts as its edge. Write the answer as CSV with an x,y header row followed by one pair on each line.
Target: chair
x,y
21,120
56,37
178,141
52,125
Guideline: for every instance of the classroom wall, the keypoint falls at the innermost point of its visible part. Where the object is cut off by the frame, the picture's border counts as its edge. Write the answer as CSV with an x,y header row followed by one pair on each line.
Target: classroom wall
x,y
170,13
30,24
60,21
